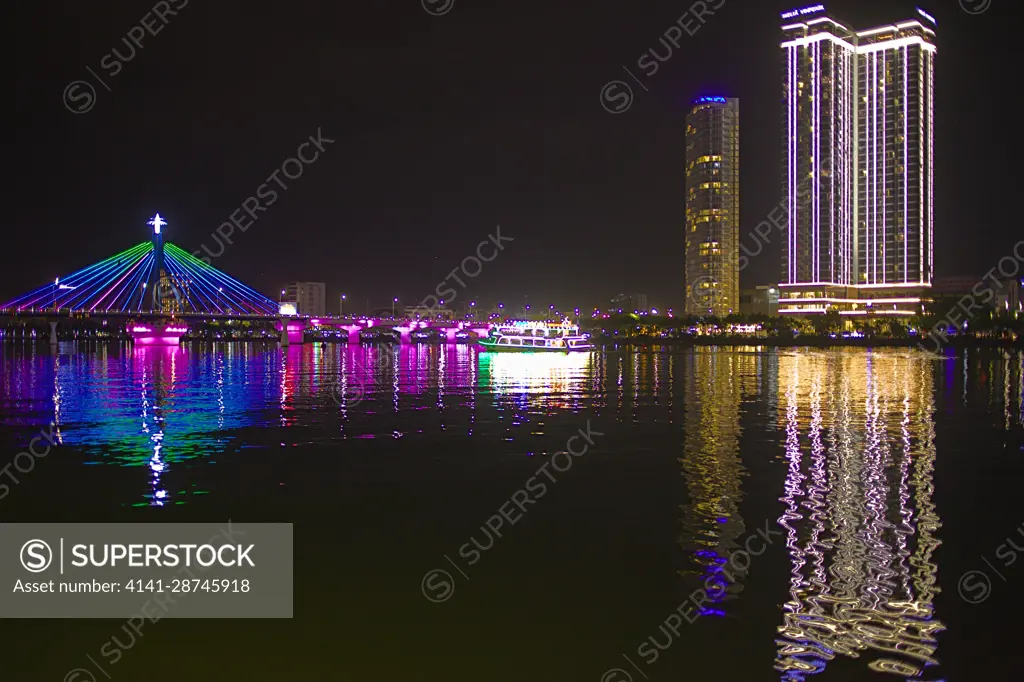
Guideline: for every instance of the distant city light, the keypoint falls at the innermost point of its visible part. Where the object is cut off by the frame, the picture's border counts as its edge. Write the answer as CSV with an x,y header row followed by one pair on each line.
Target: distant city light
x,y
927,16
288,309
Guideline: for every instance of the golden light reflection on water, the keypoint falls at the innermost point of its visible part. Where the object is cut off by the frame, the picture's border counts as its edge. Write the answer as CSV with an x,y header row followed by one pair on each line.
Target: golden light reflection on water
x,y
715,382
560,376
860,523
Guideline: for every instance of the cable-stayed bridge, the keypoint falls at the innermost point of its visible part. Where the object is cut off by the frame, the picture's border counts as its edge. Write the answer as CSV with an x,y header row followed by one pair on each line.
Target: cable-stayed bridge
x,y
154,290
151,277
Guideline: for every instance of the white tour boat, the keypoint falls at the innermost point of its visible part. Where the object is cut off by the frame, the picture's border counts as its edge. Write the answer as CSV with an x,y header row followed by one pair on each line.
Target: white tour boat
x,y
524,336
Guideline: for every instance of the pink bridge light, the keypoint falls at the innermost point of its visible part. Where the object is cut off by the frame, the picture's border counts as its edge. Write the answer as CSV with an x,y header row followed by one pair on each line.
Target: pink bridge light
x,y
157,335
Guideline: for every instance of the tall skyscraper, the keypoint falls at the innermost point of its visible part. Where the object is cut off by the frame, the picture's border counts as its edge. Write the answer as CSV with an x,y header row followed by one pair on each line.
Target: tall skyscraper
x,y
713,207
858,111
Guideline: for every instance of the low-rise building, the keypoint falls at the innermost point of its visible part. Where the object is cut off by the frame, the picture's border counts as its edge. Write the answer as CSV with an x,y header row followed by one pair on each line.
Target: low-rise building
x,y
761,300
310,298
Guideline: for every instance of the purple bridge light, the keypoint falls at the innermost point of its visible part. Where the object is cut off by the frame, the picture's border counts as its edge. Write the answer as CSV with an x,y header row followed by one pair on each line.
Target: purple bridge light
x,y
405,328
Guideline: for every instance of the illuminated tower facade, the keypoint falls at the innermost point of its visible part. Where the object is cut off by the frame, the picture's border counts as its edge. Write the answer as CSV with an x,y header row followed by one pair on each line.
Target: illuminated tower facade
x,y
158,271
164,294
858,153
713,207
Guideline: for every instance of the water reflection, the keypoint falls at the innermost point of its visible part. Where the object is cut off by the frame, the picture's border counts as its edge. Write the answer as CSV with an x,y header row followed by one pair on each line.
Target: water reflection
x,y
860,523
163,409
848,437
714,385
154,409
554,375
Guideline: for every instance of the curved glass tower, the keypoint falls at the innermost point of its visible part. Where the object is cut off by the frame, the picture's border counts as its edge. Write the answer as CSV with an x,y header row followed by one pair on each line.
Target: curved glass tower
x,y
713,207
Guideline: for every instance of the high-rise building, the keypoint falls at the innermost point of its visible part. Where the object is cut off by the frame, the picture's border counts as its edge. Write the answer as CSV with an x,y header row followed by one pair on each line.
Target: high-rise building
x,y
713,206
858,112
310,298
629,302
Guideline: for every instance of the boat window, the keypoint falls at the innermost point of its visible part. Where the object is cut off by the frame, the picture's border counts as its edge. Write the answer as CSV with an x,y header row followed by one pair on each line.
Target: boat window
x,y
515,342
503,341
527,342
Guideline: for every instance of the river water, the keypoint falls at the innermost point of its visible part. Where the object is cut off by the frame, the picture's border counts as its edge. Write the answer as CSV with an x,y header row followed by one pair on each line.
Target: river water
x,y
727,513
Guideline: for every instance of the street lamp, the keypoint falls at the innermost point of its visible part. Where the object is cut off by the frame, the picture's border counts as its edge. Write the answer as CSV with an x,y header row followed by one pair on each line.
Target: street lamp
x,y
56,282
343,305
393,307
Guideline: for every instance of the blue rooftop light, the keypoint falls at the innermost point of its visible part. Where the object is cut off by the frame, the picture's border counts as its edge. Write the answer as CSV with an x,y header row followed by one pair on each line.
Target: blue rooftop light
x,y
927,16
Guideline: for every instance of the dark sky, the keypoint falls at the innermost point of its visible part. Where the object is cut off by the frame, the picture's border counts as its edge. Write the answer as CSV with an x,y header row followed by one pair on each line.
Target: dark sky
x,y
444,127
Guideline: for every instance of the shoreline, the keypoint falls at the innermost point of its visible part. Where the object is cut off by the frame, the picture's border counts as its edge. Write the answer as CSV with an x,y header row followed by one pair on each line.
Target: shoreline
x,y
812,342
604,345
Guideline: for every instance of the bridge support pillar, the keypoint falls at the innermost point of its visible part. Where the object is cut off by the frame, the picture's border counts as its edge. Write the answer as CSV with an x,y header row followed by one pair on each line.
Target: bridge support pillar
x,y
284,332
353,335
53,333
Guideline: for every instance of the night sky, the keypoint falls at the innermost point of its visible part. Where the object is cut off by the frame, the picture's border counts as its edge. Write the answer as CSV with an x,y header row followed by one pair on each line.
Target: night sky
x,y
444,127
